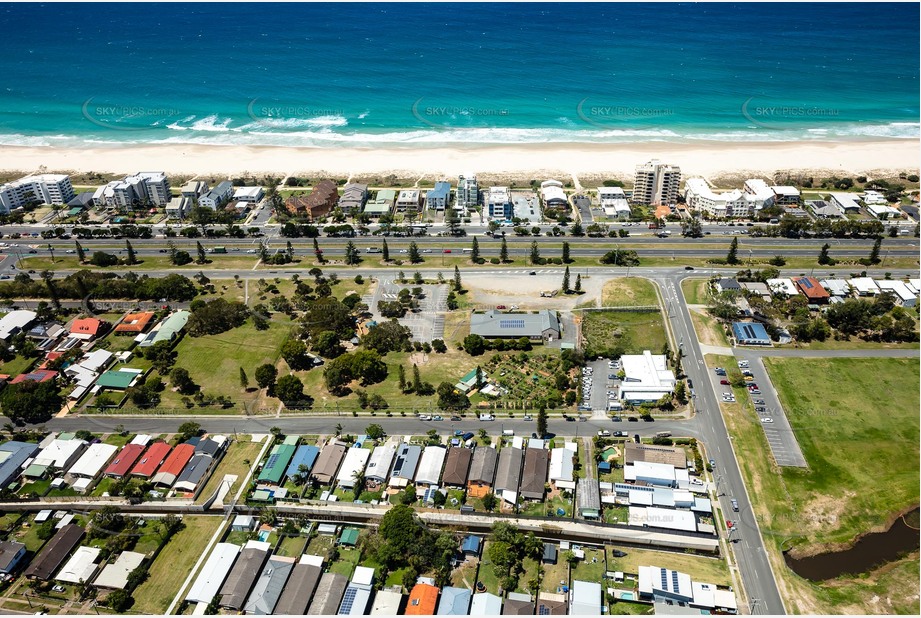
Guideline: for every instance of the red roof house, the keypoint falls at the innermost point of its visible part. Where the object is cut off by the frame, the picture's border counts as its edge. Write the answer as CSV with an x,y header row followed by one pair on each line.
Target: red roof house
x,y
86,327
812,289
173,465
124,461
39,375
151,460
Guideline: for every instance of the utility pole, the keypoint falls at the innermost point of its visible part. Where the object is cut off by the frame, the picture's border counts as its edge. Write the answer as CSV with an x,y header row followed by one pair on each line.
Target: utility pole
x,y
752,604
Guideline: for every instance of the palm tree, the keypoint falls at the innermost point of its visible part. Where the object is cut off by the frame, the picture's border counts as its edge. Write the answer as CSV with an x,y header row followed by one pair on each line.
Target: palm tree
x,y
358,477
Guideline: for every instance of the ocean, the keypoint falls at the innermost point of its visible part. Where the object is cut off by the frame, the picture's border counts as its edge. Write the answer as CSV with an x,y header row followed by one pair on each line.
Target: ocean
x,y
372,75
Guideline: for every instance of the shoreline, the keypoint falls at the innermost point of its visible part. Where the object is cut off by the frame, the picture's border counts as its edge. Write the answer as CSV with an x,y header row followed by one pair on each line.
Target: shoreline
x,y
871,157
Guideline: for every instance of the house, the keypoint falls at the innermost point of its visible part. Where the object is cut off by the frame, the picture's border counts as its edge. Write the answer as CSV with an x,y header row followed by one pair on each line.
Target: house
x,y
469,381
655,582
134,323
218,196
756,288
382,204
303,460
387,603
845,202
404,467
585,598
168,329
115,574
352,465
322,200
213,573
456,466
195,473
541,326
534,474
409,199
438,198
243,574
873,197
86,328
327,464
785,195
299,590
903,294
561,468
750,333
508,474
91,463
358,593
54,553
551,604
11,554
119,380
124,461
646,377
38,375
80,202
354,196
836,287
812,290
518,604
650,473
614,202
268,587
486,604
15,321
550,554
422,600
482,472
378,469
782,287
727,285
179,207
59,455
327,595
429,472
864,286
825,210
589,498
81,567
884,213
151,460
250,195
471,545
243,523
173,465
454,601
273,471
13,455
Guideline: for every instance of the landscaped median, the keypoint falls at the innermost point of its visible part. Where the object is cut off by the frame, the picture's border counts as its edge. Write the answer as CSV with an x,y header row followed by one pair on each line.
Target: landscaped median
x,y
856,421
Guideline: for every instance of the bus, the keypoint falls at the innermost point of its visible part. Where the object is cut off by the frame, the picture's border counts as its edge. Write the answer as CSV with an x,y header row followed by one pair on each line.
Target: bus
x,y
219,250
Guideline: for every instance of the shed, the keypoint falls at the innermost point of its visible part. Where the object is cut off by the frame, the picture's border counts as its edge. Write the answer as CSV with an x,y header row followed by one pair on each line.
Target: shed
x,y
550,554
471,545
349,537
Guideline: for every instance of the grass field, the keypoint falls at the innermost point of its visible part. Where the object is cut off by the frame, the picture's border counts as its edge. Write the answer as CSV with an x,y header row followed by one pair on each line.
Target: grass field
x,y
623,332
700,568
19,364
852,450
592,568
629,292
709,330
696,291
67,262
234,462
555,575
173,564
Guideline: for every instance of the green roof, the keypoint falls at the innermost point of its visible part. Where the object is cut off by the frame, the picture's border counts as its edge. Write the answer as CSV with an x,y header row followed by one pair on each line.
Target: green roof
x,y
277,463
171,326
116,379
35,471
261,495
349,536
292,440
470,376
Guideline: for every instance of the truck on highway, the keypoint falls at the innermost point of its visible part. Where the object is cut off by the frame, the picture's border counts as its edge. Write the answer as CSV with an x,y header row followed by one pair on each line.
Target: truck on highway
x,y
219,250
664,434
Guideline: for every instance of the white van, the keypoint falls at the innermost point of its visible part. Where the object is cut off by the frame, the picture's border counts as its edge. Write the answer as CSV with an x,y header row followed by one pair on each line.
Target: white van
x,y
508,432
487,417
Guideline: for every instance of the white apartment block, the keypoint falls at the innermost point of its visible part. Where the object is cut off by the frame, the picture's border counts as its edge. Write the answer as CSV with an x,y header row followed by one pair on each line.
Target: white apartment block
x,y
729,204
656,183
759,189
499,203
552,194
46,188
250,195
409,199
468,193
137,191
614,202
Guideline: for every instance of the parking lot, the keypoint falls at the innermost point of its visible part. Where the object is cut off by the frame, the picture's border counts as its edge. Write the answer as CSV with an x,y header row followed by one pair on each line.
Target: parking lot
x,y
584,205
598,388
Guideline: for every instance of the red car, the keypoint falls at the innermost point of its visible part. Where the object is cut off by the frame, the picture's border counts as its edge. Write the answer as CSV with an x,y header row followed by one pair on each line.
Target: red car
x,y
447,251
724,381
501,307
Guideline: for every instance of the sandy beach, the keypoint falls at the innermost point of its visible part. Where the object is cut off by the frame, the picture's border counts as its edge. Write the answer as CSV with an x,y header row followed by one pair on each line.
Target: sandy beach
x,y
535,160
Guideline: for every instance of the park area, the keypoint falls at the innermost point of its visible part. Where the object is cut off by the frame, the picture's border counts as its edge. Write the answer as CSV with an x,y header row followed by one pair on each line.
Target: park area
x,y
629,292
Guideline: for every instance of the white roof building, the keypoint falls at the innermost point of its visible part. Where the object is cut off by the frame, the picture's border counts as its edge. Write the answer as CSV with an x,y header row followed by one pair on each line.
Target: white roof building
x,y
760,190
735,203
881,211
96,360
782,286
656,581
386,603
864,286
903,294
380,462
433,459
93,460
647,377
115,574
873,197
486,604
354,462
15,321
914,285
81,567
551,192
614,202
650,472
60,454
248,194
836,287
846,202
561,465
585,598
657,517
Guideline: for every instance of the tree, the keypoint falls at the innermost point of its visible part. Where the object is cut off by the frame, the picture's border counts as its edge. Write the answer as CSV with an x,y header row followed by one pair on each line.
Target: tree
x,y
202,258
475,250
327,345
401,380
450,398
621,257
503,251
414,256
874,252
478,378
542,421
576,229
244,380
375,431
566,259
103,259
81,253
351,254
417,380
265,376
290,390
535,253
474,344
385,251
732,256
119,601
565,286
294,351
399,526
578,287
132,257
691,227
439,346
824,258
387,337
188,429
181,379
457,280
490,502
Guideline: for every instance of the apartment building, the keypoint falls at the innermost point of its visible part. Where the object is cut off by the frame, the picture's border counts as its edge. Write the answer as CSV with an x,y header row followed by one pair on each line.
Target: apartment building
x,y
218,196
614,202
140,190
468,193
43,188
656,183
499,203
409,199
727,204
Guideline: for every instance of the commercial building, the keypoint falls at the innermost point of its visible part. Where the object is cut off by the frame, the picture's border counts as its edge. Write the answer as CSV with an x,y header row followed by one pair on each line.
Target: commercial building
x,y
322,200
585,598
151,460
541,326
646,377
457,464
614,202
38,189
883,212
468,193
173,465
404,467
785,195
218,196
15,321
327,464
82,566
268,587
482,471
508,474
750,333
13,456
115,574
656,183
298,591
242,576
552,195
439,197
812,290
213,573
328,594
380,462
352,465
534,474
454,601
429,472
354,196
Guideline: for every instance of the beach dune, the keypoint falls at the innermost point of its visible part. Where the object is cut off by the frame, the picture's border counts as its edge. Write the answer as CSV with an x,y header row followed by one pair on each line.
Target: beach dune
x,y
537,160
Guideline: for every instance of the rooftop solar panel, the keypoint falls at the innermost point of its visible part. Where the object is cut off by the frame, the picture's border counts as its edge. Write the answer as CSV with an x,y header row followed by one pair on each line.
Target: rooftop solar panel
x,y
511,323
347,601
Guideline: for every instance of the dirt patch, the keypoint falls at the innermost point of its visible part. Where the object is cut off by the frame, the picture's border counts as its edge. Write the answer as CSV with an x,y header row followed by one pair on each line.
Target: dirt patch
x,y
706,328
419,358
487,291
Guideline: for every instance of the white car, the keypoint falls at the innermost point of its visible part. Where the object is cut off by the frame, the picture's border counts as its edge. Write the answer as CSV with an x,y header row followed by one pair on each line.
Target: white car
x,y
767,419
251,251
425,417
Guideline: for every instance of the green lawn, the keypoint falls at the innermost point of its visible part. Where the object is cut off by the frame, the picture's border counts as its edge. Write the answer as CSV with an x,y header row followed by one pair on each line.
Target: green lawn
x,y
700,568
611,333
348,560
696,291
486,574
19,364
629,292
852,449
234,462
555,575
320,545
173,564
592,568
292,546
528,575
216,261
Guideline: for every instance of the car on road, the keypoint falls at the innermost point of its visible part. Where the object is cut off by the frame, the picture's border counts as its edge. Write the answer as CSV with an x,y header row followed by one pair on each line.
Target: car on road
x,y
70,251
533,272
720,371
425,417
604,433
251,251
569,419
735,504
743,364
760,409
616,419
724,382
712,463
632,419
527,417
689,268
447,251
404,251
582,419
455,418
767,419
437,418
758,402
754,391
426,251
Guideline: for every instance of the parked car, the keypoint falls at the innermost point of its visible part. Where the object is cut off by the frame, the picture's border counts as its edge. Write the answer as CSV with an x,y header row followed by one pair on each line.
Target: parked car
x,y
724,382
604,433
425,417
527,417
